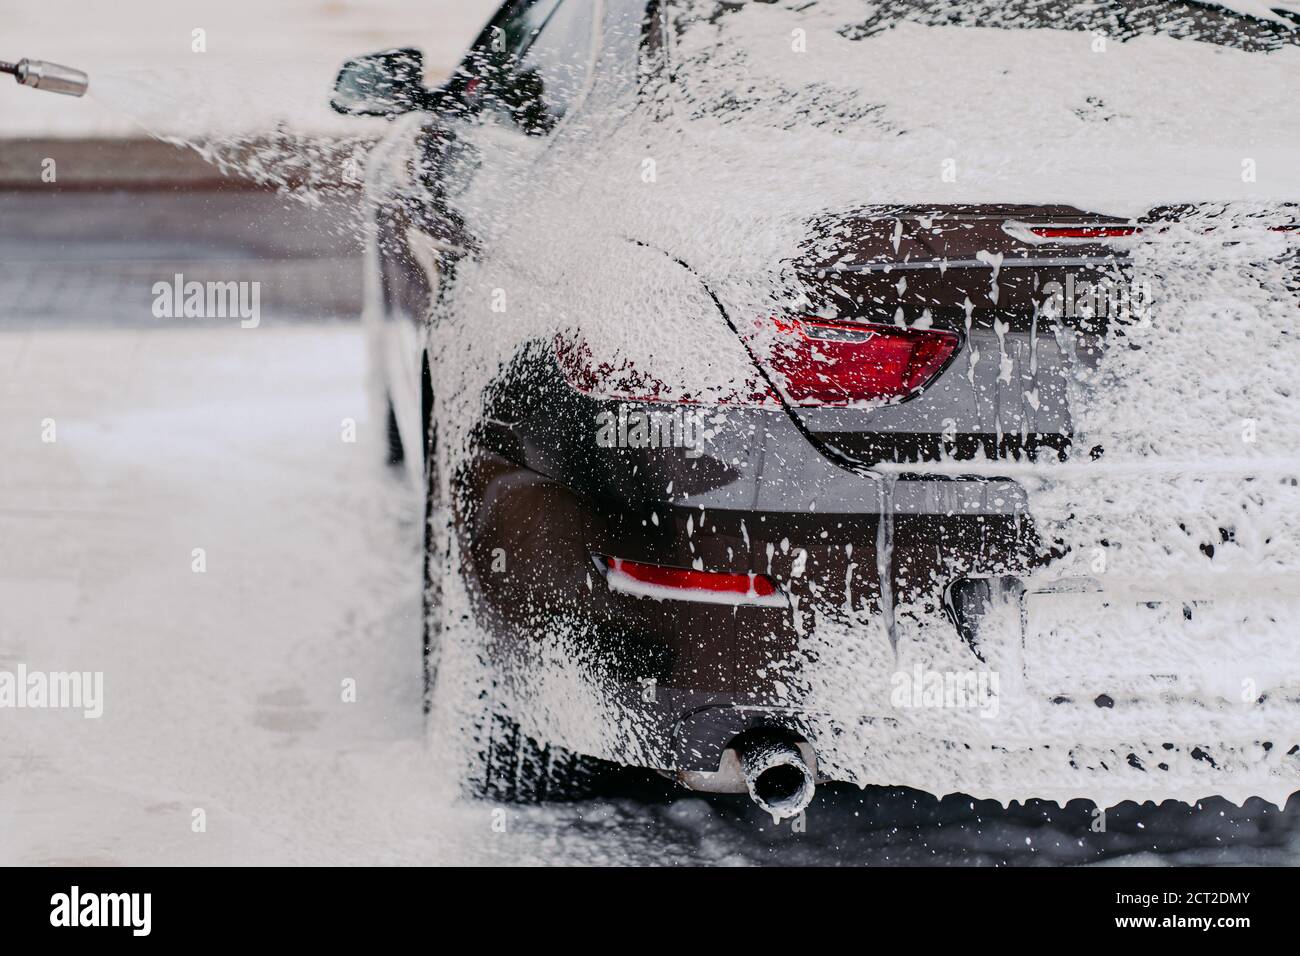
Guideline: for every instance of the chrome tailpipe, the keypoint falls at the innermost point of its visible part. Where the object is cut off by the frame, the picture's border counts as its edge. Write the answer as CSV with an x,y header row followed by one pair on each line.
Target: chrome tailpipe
x,y
51,77
776,775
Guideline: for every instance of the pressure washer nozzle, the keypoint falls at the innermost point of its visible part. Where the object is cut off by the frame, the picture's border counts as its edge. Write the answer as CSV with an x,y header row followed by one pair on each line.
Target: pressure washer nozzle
x,y
48,76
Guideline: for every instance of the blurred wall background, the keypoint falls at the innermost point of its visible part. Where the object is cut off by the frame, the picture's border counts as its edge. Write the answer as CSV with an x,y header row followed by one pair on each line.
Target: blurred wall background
x,y
263,64
99,199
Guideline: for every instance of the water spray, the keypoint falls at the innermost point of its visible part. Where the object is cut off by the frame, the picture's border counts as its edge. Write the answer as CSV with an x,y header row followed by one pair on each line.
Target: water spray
x,y
51,77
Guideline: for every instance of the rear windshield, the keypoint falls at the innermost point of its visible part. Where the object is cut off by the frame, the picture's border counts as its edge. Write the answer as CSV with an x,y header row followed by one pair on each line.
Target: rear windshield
x,y
1254,25
891,66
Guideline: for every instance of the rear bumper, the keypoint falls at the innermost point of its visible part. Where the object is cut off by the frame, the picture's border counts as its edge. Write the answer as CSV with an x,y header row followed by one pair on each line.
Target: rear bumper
x,y
936,717
1139,749
669,684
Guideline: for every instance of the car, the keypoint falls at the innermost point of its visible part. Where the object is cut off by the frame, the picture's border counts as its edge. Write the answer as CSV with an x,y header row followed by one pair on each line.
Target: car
x,y
792,390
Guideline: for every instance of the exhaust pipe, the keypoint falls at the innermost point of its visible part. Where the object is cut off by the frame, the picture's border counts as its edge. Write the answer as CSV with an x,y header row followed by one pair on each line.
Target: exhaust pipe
x,y
776,775
50,77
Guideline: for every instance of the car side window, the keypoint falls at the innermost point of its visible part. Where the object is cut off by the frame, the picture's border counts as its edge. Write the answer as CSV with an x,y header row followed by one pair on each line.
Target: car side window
x,y
556,62
532,62
517,25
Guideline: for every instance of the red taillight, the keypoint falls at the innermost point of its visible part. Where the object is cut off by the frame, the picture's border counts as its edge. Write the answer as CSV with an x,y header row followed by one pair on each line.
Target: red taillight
x,y
816,362
1080,232
689,584
820,362
1083,232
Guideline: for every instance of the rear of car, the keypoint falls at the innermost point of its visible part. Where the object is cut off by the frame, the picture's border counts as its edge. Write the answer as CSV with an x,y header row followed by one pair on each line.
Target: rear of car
x,y
893,411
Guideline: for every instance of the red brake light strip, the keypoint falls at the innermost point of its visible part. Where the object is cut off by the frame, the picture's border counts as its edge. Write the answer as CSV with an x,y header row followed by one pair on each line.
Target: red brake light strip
x,y
689,584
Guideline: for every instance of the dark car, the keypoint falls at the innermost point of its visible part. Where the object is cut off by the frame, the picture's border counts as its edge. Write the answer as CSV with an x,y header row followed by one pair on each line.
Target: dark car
x,y
772,370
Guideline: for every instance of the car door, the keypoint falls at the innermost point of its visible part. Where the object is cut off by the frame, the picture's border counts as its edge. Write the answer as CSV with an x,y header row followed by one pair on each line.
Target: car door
x,y
469,170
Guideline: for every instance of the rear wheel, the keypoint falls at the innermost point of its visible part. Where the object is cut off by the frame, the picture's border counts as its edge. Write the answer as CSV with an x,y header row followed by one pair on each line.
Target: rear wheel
x,y
510,767
396,454
431,603
504,764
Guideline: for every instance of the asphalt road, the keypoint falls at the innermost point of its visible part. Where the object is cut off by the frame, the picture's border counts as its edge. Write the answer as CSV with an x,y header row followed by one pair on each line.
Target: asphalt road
x,y
86,259
222,686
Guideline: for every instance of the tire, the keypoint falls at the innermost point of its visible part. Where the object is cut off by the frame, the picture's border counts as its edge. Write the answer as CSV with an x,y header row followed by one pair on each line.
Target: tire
x,y
396,454
504,765
511,767
431,595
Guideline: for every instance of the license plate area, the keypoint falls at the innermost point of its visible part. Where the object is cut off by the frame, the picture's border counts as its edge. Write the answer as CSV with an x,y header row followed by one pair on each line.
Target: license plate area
x,y
1088,643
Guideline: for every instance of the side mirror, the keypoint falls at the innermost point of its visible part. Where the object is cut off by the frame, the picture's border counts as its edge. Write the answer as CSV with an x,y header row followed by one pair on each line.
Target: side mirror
x,y
388,83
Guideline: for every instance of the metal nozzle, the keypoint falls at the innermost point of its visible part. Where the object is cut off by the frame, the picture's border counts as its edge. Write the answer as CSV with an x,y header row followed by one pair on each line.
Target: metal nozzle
x,y
48,76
